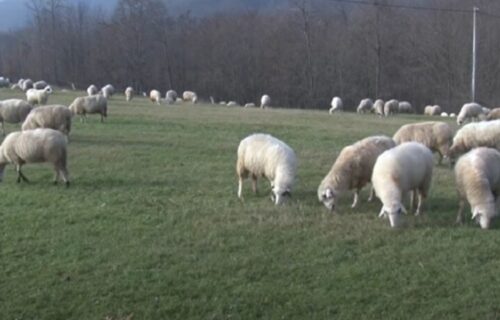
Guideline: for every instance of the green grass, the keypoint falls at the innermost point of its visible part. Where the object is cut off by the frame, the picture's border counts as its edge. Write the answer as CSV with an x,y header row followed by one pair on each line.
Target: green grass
x,y
151,227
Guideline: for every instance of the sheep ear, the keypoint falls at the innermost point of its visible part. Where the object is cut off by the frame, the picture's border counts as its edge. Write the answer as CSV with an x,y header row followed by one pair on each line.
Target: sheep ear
x,y
475,214
329,193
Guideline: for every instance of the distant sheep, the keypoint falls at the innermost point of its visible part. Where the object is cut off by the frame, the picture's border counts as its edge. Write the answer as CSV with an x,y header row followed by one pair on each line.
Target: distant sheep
x,y
434,110
478,181
34,146
391,107
13,111
38,96
265,101
57,117
453,115
352,170
435,135
108,91
27,84
233,104
190,96
397,171
171,96
494,114
250,105
39,85
262,155
474,135
129,93
155,96
365,106
4,82
92,90
378,106
444,114
89,105
470,112
405,107
336,105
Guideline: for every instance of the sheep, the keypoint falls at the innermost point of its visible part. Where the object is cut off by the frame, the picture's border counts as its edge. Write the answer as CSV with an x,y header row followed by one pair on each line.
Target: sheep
x,y
171,96
233,104
20,83
352,170
190,96
250,105
35,146
91,90
435,135
40,85
27,84
336,105
474,135
13,111
223,103
434,110
40,97
155,96
129,93
407,167
366,105
444,114
470,111
405,107
108,91
378,106
264,155
4,82
15,86
453,115
391,107
57,117
90,104
477,176
494,114
265,101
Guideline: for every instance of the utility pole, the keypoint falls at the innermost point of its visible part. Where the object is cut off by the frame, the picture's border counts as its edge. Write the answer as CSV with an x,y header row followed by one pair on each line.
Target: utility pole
x,y
474,45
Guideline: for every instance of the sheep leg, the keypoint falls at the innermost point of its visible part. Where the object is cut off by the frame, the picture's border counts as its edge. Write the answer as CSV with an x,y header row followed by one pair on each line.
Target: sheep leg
x,y
356,199
421,198
254,184
102,118
413,200
460,213
64,174
440,158
372,194
240,187
3,128
20,175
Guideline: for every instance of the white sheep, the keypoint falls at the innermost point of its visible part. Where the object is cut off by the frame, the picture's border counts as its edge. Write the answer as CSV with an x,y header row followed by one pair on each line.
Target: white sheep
x,y
190,96
494,114
171,96
250,105
397,171
4,82
378,106
40,85
265,101
108,91
434,110
470,112
474,135
366,105
435,135
27,84
405,107
262,155
89,105
38,96
477,174
453,115
336,105
35,146
391,107
91,90
129,93
352,170
233,104
444,114
13,111
155,96
57,117
223,103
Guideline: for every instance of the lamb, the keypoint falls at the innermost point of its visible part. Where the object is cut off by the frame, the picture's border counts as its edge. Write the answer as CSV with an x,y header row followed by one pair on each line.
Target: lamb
x,y
155,96
494,114
264,155
27,84
13,111
474,135
108,91
265,101
352,170
391,107
435,135
469,112
129,93
477,174
336,105
378,106
90,104
233,104
57,117
34,146
407,167
366,105
171,96
91,90
190,96
40,85
40,97
434,110
250,105
405,107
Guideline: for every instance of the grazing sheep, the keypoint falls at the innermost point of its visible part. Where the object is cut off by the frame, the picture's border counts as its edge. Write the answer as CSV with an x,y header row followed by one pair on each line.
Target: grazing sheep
x,y
405,107
90,104
434,110
366,105
171,96
57,117
155,96
40,85
233,104
92,90
453,115
264,155
477,174
336,105
223,103
378,106
444,114
474,135
190,96
352,170
129,93
38,96
469,112
397,171
250,105
27,84
435,135
13,111
494,114
4,82
108,91
265,101
391,107
35,146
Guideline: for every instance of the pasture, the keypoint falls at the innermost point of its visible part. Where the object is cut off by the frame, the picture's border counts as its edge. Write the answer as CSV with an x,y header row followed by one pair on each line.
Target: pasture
x,y
151,228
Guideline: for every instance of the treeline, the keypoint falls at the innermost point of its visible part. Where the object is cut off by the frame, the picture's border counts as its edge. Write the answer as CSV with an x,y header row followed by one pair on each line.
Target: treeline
x,y
301,56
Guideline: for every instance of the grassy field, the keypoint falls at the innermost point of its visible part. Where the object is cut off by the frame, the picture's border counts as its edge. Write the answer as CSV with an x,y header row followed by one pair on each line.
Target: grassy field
x,y
151,228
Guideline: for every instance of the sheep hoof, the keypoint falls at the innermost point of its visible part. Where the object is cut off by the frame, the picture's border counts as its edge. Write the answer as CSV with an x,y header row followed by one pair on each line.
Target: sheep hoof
x,y
67,184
